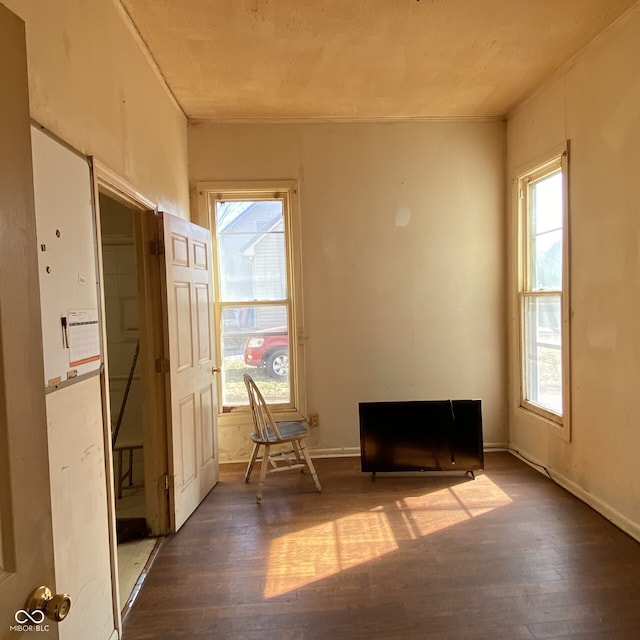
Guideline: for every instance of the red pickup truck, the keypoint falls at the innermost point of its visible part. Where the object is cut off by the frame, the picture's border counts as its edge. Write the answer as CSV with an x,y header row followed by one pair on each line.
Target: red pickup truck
x,y
269,349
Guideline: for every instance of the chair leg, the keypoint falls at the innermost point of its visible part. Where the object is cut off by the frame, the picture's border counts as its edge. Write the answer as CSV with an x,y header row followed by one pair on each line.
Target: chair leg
x,y
307,458
252,461
296,450
263,472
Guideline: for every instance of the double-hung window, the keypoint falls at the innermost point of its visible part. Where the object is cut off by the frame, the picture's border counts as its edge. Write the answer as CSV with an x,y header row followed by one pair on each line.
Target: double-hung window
x,y
258,302
543,290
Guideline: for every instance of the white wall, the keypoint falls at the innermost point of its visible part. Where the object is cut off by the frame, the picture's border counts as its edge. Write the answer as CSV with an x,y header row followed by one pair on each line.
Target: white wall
x,y
78,508
595,104
403,260
91,84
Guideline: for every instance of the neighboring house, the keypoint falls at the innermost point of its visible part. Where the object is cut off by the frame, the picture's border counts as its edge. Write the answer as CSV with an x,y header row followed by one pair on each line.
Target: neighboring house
x,y
251,234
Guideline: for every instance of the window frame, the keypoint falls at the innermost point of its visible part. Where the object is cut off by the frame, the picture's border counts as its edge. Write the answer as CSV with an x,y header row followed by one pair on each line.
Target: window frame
x,y
287,190
556,159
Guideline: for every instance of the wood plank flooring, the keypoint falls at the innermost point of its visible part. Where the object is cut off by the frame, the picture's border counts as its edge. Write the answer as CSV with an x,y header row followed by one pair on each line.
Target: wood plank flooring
x,y
508,556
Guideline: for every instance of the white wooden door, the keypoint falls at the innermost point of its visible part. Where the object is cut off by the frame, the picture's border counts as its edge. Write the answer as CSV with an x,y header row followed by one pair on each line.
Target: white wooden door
x,y
26,542
193,394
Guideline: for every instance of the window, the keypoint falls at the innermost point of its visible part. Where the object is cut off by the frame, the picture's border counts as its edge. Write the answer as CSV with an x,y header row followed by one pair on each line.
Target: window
x,y
544,295
257,275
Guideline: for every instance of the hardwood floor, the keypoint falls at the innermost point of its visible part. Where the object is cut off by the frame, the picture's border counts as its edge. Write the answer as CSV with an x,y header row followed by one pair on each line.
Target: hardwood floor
x,y
508,556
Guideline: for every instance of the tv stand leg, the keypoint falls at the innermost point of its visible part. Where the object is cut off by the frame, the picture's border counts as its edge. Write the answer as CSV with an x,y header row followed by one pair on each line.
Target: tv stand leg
x,y
471,474
373,476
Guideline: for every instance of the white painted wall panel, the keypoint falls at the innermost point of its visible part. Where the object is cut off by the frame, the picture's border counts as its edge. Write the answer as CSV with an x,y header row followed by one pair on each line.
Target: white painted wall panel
x,y
403,245
595,104
80,509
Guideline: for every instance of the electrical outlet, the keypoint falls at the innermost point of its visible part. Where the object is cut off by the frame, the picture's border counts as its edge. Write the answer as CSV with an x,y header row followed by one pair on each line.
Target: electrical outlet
x,y
313,420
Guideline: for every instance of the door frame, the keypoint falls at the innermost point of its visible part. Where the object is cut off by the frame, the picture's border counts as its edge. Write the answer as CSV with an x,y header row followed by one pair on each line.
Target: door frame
x,y
153,379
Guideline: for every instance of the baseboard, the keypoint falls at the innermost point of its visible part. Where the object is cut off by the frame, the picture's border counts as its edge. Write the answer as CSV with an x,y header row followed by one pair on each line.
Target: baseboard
x,y
348,452
607,511
336,452
354,452
495,446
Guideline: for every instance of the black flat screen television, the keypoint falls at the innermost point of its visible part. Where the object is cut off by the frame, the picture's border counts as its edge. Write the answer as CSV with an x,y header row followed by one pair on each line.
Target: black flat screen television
x,y
424,435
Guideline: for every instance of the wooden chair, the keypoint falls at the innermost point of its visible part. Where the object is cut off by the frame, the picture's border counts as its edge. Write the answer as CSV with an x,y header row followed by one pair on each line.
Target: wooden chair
x,y
269,434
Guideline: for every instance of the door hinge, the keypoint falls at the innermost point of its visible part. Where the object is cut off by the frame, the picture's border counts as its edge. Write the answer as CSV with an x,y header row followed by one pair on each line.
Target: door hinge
x,y
162,365
166,482
156,248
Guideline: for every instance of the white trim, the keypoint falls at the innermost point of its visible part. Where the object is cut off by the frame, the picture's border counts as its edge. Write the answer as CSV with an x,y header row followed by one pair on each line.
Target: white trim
x,y
343,119
119,188
604,509
337,452
288,191
242,187
106,181
552,160
106,407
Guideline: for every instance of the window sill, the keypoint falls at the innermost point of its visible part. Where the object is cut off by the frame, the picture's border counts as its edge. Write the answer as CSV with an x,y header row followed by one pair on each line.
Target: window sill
x,y
559,429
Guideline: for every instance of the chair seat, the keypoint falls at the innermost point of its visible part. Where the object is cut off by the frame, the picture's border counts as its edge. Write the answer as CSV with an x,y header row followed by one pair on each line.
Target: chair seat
x,y
288,431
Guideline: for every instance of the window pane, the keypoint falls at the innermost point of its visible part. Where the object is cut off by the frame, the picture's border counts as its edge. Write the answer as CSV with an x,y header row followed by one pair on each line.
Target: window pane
x,y
255,340
547,249
251,250
546,201
543,352
545,233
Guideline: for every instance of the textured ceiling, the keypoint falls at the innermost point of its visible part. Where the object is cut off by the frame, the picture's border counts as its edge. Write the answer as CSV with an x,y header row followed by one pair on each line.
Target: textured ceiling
x,y
273,59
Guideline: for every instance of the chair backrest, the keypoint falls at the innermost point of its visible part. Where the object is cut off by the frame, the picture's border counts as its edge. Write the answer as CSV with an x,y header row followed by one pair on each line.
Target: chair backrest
x,y
260,412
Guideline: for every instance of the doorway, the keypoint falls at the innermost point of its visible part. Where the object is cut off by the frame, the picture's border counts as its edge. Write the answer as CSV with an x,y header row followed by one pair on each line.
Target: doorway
x,y
123,348
169,458
126,383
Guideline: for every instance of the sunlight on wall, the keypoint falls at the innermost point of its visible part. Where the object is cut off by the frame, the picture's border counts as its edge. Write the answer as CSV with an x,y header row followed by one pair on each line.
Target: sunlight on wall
x,y
300,558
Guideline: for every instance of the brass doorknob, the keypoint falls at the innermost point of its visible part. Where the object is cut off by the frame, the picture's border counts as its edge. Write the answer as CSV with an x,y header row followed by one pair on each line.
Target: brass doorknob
x,y
54,607
215,370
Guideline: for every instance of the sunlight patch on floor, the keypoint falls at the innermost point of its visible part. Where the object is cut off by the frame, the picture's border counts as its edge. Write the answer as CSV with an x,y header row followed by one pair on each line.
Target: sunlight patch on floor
x,y
445,508
303,557
326,549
